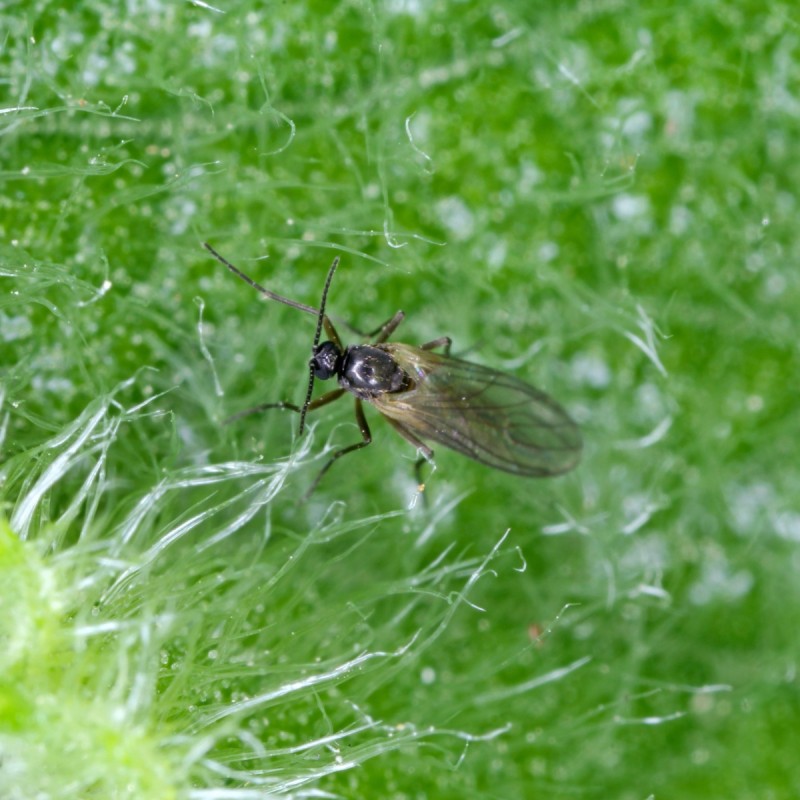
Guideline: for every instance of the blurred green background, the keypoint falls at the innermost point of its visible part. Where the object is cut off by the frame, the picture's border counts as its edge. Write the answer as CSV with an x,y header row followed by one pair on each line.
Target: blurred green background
x,y
598,197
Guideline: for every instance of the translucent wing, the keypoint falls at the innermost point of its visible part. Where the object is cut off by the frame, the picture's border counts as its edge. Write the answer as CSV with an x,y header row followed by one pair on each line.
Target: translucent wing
x,y
480,412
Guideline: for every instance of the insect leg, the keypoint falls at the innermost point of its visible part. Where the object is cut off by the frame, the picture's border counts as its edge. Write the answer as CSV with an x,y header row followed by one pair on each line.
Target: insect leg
x,y
388,328
426,454
331,331
318,403
366,438
443,341
391,324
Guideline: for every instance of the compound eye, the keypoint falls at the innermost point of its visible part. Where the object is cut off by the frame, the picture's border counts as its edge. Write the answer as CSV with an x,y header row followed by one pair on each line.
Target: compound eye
x,y
325,361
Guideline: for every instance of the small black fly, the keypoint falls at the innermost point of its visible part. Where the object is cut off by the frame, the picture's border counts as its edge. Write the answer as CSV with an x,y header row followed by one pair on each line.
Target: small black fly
x,y
485,414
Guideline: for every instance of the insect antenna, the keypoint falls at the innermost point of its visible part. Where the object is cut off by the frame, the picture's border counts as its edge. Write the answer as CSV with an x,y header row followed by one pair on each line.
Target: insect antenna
x,y
317,334
266,292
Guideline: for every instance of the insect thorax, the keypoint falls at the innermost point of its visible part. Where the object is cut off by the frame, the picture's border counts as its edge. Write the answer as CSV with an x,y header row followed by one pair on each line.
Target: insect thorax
x,y
369,372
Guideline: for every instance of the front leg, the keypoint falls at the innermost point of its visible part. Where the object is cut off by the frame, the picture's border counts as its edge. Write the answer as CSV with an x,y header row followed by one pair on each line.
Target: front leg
x,y
335,394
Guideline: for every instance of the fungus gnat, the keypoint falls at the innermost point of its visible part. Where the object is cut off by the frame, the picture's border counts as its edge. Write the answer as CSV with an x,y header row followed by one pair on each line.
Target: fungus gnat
x,y
491,417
